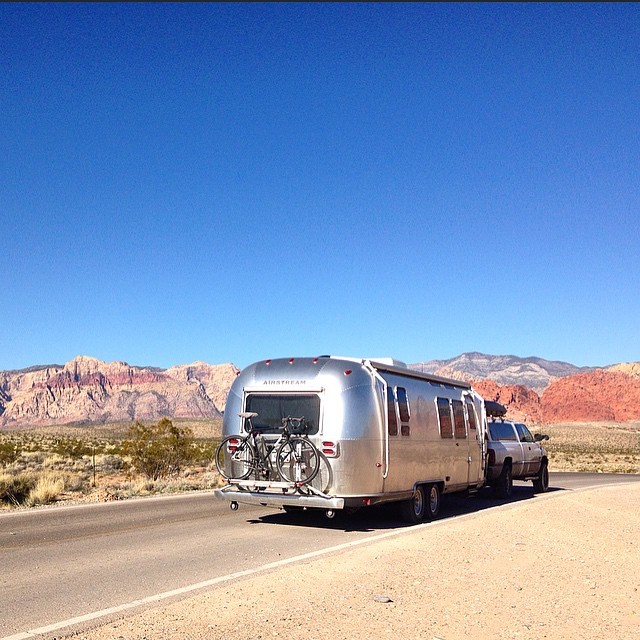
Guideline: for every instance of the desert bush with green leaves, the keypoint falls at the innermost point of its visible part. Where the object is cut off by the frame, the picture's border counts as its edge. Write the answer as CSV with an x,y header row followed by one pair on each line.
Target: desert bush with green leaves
x,y
159,450
102,463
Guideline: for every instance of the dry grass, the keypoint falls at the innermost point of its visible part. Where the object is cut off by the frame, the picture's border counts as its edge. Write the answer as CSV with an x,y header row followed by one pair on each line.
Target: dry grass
x,y
597,447
48,488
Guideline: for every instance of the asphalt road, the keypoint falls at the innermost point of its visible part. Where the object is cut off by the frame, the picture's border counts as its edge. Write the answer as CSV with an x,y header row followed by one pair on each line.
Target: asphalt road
x,y
60,563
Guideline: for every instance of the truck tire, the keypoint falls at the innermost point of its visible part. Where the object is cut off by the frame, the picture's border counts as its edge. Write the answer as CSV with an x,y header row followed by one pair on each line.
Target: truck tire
x,y
413,509
432,506
504,484
541,482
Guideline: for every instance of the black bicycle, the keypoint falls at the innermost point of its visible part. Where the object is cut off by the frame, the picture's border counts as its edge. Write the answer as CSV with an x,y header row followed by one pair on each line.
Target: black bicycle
x,y
292,457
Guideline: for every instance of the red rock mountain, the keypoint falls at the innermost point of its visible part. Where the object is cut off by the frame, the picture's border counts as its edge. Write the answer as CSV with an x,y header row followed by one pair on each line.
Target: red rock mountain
x,y
611,394
89,390
601,395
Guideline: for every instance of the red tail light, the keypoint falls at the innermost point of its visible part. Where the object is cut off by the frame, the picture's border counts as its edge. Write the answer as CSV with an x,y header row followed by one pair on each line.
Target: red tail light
x,y
330,448
233,444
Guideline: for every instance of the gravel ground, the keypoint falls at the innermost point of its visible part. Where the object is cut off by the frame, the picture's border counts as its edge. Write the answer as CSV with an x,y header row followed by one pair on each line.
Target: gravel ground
x,y
564,565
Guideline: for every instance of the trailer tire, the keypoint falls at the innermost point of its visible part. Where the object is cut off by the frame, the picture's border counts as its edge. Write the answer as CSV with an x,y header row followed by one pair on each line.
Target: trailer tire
x,y
541,481
432,505
504,483
292,509
413,509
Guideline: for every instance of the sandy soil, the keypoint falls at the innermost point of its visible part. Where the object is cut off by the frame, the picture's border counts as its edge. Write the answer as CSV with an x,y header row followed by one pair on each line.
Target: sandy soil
x,y
563,565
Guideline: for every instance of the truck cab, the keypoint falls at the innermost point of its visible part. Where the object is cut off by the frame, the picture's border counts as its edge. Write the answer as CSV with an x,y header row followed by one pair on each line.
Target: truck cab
x,y
513,453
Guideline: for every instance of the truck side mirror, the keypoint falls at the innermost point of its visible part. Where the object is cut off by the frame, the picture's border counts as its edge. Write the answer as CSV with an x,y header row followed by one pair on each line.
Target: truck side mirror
x,y
540,436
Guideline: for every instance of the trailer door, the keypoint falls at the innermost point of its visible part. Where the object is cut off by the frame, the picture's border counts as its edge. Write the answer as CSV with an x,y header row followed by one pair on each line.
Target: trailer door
x,y
476,443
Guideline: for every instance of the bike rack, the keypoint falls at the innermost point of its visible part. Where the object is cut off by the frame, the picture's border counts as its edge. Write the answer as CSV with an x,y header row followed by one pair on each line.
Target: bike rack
x,y
285,487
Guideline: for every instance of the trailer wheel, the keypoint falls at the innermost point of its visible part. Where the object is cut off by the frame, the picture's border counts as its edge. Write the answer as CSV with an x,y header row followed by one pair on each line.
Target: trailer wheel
x,y
434,497
541,481
504,483
413,509
292,509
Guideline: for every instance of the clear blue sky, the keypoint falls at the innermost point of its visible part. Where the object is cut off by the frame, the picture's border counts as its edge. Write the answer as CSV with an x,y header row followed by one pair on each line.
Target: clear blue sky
x,y
235,182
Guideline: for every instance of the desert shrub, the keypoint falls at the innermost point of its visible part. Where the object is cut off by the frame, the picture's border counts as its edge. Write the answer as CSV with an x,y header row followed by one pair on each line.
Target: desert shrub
x,y
47,489
203,451
15,489
159,450
9,452
108,462
33,458
71,448
53,461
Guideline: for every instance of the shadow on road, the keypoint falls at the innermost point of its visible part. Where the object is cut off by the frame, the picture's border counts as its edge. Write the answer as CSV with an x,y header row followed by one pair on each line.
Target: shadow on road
x,y
386,517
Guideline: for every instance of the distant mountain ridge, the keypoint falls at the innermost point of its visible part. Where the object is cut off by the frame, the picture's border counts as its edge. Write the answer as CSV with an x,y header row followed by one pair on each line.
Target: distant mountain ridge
x,y
543,391
533,373
88,390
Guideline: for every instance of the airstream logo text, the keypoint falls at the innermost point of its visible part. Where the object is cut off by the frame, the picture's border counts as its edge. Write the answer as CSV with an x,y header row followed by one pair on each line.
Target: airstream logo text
x,y
287,382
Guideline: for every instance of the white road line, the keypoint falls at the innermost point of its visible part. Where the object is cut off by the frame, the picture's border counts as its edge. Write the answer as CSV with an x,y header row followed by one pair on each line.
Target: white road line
x,y
56,626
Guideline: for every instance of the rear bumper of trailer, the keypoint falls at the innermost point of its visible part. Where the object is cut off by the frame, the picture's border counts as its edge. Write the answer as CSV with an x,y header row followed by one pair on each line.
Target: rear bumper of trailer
x,y
260,496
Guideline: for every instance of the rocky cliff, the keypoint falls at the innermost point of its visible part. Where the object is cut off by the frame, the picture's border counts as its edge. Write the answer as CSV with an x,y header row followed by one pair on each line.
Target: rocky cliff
x,y
601,395
533,373
89,390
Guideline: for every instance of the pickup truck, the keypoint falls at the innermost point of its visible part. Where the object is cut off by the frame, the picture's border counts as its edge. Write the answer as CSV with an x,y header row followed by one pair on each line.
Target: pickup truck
x,y
514,454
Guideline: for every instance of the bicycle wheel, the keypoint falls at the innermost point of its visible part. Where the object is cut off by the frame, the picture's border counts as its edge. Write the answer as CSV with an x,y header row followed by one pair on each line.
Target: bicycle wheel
x,y
235,458
297,460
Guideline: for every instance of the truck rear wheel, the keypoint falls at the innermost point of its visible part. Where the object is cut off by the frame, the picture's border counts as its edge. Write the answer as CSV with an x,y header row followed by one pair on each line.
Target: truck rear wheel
x,y
413,509
434,498
504,484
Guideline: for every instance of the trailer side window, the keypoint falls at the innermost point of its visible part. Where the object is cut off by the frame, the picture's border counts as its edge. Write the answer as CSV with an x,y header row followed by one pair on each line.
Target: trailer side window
x,y
471,412
392,418
458,419
403,410
444,418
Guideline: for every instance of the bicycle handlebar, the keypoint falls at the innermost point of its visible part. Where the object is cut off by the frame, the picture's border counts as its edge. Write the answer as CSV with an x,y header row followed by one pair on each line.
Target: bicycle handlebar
x,y
294,423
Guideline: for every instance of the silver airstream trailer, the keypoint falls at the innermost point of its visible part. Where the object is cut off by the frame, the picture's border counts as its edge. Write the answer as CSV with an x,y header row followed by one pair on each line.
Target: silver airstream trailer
x,y
384,432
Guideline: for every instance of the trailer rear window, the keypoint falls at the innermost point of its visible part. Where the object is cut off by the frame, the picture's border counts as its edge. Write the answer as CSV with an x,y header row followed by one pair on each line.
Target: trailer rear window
x,y
444,418
272,408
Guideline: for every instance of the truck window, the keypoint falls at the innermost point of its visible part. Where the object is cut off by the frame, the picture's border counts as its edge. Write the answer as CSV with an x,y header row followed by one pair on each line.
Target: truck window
x,y
273,407
523,433
444,418
502,431
458,419
403,410
392,418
